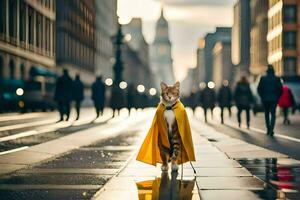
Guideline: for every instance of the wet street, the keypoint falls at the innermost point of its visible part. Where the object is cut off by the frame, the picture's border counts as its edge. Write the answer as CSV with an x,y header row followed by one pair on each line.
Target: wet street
x,y
95,159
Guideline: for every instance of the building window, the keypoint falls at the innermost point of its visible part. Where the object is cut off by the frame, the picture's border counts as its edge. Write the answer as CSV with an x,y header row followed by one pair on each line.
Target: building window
x,y
22,21
2,16
290,66
1,67
31,25
290,14
12,18
290,39
11,69
38,30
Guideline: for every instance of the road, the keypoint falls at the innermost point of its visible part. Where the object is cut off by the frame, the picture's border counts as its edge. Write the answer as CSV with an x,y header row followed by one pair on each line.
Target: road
x,y
42,159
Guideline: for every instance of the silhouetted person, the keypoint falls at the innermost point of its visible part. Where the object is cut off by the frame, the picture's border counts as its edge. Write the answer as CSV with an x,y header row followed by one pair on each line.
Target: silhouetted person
x,y
286,101
208,100
130,97
243,99
224,99
78,94
269,90
192,100
63,94
98,95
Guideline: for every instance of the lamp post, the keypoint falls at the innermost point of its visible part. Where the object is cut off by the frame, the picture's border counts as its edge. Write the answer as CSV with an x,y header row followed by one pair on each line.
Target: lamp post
x,y
118,98
118,65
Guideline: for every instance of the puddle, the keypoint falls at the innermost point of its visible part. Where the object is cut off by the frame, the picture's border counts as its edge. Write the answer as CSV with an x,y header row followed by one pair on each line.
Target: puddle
x,y
168,187
283,177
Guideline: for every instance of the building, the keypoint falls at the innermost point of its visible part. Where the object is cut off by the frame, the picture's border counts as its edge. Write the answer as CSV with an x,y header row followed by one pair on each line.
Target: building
x,y
161,53
222,65
188,83
138,48
241,37
210,41
284,37
75,38
199,75
258,35
27,37
106,28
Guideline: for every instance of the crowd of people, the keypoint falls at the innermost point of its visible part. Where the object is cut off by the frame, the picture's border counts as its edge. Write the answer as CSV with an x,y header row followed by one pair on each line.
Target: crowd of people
x,y
271,90
70,91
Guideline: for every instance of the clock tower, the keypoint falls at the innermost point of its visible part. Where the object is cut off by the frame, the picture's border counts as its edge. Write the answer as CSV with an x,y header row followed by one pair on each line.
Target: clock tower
x,y
161,52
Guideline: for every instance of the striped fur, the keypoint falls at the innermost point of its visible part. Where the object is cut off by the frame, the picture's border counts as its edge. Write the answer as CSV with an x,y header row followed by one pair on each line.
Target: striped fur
x,y
170,95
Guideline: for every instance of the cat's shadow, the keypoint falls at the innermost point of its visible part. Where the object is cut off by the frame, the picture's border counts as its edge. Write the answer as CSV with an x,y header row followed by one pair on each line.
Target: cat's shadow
x,y
168,187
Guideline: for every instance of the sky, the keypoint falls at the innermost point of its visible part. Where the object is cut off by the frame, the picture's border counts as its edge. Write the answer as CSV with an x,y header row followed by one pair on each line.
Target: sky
x,y
189,20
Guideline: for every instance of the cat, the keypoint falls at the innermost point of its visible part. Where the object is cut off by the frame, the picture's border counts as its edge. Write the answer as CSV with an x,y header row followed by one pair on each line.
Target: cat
x,y
169,96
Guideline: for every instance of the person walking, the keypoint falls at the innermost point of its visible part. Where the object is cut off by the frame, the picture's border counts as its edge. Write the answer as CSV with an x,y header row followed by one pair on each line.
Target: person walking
x,y
243,99
63,94
270,90
224,99
285,102
78,94
98,95
208,100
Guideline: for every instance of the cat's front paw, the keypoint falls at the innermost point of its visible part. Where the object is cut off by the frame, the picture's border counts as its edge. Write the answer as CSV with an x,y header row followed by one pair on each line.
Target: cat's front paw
x,y
174,167
164,168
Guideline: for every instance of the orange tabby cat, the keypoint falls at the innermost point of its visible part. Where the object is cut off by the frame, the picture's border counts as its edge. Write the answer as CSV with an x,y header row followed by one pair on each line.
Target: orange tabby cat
x,y
169,96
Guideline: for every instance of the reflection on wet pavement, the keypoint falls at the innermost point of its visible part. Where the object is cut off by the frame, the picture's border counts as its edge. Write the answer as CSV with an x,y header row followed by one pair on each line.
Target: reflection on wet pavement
x,y
283,175
166,188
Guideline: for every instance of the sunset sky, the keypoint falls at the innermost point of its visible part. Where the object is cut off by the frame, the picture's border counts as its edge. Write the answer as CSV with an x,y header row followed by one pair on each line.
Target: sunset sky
x,y
188,20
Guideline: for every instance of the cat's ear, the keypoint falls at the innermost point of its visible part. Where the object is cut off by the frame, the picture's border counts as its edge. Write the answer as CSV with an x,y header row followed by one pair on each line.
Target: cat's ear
x,y
163,86
177,85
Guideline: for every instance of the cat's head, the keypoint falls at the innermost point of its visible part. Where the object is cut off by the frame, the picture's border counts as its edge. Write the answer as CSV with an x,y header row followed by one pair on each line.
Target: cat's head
x,y
169,94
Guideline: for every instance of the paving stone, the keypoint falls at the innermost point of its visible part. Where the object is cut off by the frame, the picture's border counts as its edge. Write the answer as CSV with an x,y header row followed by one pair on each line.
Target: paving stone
x,y
214,163
46,194
255,154
229,183
229,194
222,172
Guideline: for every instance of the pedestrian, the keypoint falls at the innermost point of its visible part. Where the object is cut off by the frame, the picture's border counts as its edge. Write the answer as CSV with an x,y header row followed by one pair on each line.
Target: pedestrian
x,y
78,94
208,100
285,102
243,99
130,97
192,100
98,95
63,94
270,90
224,99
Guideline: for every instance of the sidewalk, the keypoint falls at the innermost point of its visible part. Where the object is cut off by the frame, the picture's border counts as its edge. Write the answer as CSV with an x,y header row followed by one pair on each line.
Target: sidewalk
x,y
219,174
38,153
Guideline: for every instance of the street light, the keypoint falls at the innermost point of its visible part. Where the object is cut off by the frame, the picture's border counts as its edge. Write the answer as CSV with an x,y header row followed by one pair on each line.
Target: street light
x,y
152,91
20,92
127,37
109,81
202,85
140,88
123,85
211,85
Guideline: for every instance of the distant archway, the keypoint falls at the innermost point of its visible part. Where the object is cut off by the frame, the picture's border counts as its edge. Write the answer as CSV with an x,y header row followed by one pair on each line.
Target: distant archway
x,y
22,71
12,69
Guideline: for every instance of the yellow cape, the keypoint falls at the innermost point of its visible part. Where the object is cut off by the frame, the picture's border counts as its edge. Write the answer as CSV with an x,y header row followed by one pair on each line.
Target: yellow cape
x,y
149,152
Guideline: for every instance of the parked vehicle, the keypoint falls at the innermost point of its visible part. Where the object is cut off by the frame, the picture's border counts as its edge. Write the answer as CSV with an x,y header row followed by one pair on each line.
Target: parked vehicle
x,y
30,95
11,92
